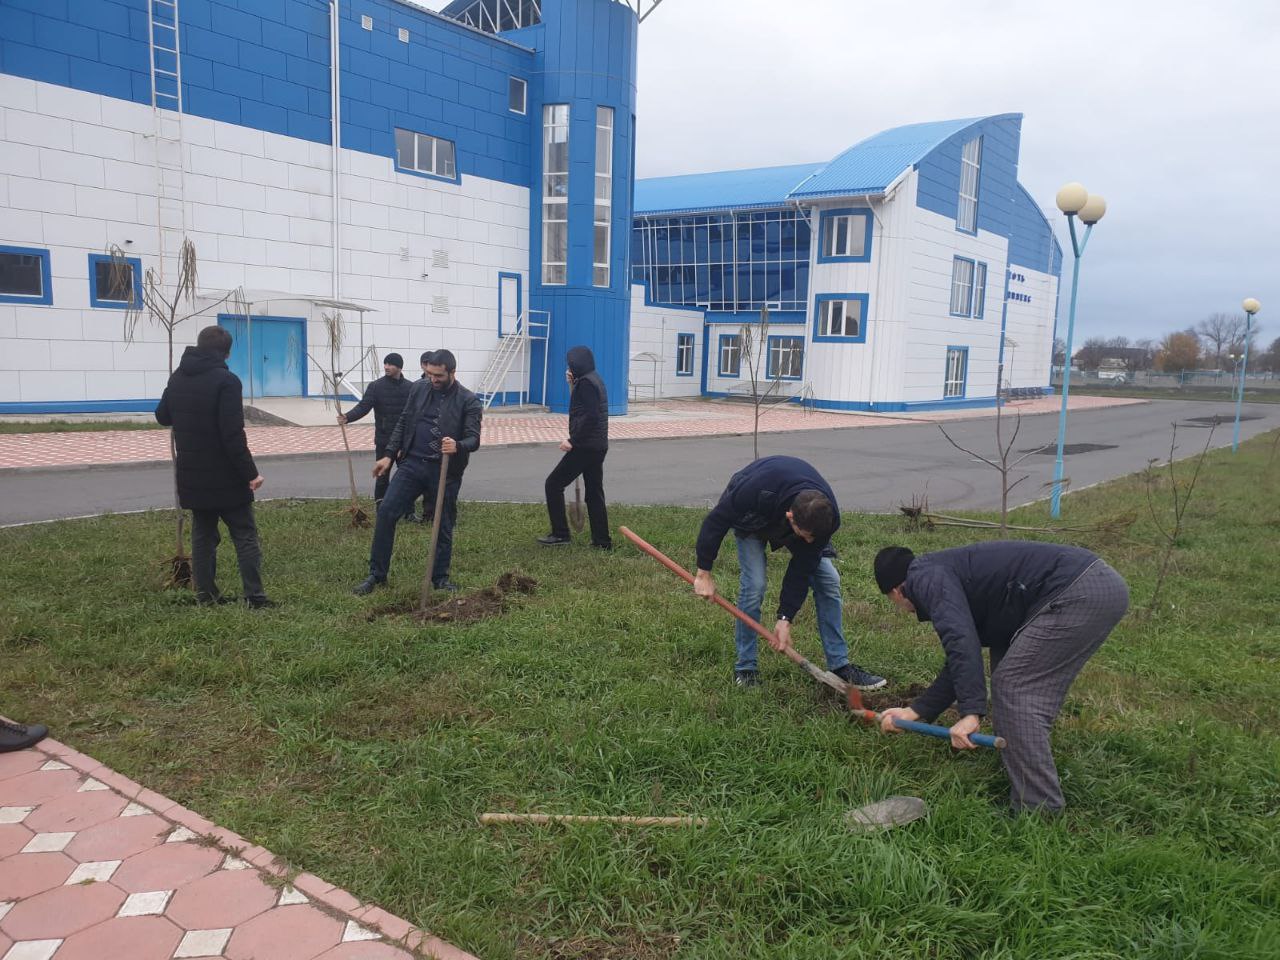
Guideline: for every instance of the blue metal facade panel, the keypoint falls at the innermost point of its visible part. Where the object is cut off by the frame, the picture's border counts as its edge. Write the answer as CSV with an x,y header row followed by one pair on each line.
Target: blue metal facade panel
x,y
939,171
1031,240
727,190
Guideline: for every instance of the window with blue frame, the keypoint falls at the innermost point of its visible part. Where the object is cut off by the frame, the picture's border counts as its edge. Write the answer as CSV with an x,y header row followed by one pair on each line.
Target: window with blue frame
x,y
115,284
684,354
970,171
730,364
962,287
421,153
517,95
24,275
846,236
979,290
957,372
841,316
786,358
741,261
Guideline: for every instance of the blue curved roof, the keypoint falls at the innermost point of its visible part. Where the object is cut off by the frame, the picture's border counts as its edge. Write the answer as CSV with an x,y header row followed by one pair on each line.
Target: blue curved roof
x,y
866,168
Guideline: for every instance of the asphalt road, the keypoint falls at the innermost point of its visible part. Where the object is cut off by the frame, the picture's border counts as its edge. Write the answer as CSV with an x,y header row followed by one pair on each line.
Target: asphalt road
x,y
871,470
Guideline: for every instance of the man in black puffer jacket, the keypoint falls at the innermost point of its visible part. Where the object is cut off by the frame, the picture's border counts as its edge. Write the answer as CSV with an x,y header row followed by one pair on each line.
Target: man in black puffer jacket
x,y
584,452
386,397
1042,609
215,472
441,416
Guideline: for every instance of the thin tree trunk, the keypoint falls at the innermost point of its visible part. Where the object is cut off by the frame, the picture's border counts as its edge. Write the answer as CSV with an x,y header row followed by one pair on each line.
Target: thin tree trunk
x,y
351,471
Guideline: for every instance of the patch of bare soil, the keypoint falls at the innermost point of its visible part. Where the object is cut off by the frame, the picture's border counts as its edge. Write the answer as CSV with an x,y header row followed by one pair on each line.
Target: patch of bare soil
x,y
466,607
892,696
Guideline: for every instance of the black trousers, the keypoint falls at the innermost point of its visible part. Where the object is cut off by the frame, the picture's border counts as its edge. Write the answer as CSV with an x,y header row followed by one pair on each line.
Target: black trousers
x,y
380,483
590,465
204,550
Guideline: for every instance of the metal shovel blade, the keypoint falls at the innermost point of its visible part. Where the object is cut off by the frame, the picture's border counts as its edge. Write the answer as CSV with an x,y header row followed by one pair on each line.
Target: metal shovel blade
x,y
576,518
890,812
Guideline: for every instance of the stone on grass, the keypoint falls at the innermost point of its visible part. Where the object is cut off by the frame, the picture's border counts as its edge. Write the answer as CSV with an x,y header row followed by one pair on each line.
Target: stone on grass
x,y
890,812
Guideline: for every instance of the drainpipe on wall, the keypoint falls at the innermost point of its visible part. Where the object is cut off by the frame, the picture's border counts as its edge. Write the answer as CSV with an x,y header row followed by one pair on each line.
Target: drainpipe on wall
x,y
335,118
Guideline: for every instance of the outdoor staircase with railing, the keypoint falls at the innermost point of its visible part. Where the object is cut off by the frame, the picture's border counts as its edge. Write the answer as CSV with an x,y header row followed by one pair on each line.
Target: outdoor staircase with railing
x,y
515,352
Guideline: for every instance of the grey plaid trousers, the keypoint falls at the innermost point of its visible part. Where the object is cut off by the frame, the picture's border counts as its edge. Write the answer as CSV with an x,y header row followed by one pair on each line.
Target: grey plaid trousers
x,y
1029,683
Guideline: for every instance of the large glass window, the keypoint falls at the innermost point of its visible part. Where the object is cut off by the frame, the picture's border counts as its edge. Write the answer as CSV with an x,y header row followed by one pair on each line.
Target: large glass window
x,y
961,287
724,261
840,318
730,355
24,275
684,354
555,192
845,235
601,243
425,154
970,168
786,358
979,290
957,371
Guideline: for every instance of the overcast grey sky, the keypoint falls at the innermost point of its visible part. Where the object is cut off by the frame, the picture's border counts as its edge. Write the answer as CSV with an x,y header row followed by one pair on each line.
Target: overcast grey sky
x,y
1168,108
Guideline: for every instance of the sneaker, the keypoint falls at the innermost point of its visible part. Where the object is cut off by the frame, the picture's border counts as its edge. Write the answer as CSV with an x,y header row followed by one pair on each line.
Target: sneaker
x,y
367,587
18,736
447,585
554,540
411,517
855,676
746,678
260,603
601,546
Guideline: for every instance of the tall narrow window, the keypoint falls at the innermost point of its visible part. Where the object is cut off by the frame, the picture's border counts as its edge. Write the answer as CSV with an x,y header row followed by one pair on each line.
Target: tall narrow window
x,y
730,355
684,354
957,371
979,290
517,94
970,167
604,196
555,192
962,287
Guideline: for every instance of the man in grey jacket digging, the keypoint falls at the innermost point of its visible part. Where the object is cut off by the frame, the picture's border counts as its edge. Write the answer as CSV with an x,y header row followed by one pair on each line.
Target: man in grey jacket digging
x,y
1042,609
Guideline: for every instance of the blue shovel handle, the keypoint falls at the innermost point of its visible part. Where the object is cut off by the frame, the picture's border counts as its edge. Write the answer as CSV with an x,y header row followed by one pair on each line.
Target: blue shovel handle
x,y
942,733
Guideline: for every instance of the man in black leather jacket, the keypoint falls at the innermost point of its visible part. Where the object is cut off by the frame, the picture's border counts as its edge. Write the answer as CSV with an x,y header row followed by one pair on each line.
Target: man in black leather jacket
x,y
386,397
584,452
441,416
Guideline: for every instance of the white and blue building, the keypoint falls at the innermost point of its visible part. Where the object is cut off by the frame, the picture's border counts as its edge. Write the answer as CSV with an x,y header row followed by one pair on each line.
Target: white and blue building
x,y
459,179
464,179
911,271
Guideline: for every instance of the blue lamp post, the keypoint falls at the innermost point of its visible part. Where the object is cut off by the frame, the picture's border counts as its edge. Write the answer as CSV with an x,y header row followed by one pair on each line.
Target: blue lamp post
x,y
1251,306
1075,201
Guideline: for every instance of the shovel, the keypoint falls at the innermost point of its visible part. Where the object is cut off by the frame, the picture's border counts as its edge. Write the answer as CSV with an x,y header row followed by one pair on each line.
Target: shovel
x,y
425,594
915,726
577,519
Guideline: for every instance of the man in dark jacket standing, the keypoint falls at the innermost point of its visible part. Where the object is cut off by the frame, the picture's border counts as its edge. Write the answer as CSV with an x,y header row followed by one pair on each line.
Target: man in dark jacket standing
x,y
215,472
441,416
1042,609
781,502
584,452
386,397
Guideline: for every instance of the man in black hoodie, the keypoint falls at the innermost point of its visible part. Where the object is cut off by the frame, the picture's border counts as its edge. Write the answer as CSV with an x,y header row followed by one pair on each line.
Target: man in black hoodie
x,y
778,502
441,416
1042,609
584,452
216,475
386,397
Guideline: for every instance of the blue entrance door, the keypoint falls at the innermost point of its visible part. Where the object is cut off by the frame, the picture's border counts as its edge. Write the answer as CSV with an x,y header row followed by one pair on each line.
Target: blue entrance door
x,y
268,354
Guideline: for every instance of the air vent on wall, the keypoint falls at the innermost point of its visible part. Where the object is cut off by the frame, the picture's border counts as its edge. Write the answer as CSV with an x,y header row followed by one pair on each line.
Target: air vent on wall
x,y
366,22
440,258
439,304
404,35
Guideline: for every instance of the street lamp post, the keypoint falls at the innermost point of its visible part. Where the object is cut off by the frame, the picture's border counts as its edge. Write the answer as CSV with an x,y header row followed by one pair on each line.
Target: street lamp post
x,y
1251,306
1075,201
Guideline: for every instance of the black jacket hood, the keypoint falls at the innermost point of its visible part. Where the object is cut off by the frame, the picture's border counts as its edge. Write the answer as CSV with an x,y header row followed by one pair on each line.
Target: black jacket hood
x,y
196,361
581,361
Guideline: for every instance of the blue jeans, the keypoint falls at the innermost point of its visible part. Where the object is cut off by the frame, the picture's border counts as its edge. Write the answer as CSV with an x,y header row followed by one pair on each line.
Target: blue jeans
x,y
753,563
414,478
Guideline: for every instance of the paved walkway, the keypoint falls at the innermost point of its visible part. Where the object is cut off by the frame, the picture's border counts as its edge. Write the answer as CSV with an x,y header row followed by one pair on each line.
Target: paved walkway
x,y
667,420
94,867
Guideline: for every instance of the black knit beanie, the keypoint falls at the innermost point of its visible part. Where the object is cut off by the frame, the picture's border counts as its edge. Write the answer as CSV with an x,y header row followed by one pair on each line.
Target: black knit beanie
x,y
891,567
394,359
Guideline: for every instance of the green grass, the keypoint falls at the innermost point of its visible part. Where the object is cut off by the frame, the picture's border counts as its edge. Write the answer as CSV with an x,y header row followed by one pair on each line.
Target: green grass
x,y
1218,394
364,751
74,426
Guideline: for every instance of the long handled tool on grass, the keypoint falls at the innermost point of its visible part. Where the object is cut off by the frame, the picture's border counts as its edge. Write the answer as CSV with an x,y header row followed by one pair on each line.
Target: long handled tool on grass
x,y
822,676
576,519
915,726
425,593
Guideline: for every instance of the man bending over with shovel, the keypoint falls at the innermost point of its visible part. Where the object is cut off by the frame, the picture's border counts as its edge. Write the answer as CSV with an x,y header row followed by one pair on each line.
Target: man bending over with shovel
x,y
781,502
1041,608
440,419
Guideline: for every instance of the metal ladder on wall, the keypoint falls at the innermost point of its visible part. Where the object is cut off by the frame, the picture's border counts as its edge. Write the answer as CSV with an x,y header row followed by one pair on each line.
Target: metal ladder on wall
x,y
166,106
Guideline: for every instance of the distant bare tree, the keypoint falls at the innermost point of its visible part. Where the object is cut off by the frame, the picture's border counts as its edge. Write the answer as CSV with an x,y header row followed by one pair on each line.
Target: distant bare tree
x,y
1118,343
1089,355
753,354
1144,359
1059,352
1219,332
